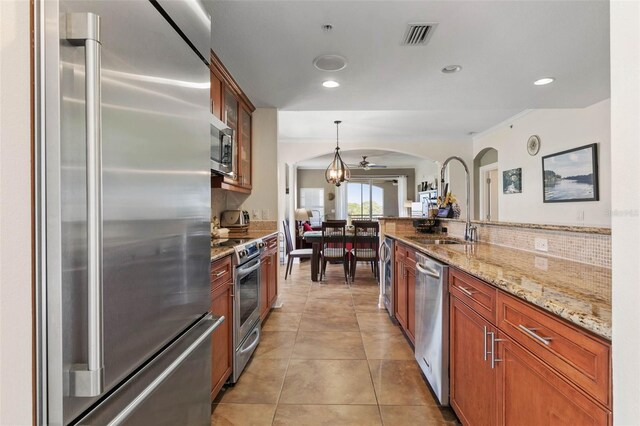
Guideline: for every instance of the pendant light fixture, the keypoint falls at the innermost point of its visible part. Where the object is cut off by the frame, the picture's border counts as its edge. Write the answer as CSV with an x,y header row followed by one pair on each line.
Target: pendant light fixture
x,y
337,172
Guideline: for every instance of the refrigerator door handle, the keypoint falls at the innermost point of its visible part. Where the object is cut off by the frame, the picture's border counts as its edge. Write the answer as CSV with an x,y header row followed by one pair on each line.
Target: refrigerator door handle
x,y
87,380
142,396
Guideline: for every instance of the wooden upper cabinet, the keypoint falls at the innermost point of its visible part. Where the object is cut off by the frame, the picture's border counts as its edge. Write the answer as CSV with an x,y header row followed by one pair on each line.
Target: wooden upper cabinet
x,y
231,105
244,148
216,95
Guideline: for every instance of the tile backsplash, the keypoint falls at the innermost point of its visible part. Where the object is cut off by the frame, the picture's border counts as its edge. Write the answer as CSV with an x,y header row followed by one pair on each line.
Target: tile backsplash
x,y
593,248
584,247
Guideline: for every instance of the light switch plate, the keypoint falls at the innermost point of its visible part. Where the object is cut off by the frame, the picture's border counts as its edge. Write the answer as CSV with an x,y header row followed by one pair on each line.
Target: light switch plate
x,y
541,244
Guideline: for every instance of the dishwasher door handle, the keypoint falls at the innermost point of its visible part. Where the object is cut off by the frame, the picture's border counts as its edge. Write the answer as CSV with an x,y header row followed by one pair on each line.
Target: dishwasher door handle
x,y
427,271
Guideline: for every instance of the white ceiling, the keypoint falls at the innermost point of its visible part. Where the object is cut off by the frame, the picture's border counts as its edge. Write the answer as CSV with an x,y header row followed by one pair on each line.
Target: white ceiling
x,y
354,156
503,46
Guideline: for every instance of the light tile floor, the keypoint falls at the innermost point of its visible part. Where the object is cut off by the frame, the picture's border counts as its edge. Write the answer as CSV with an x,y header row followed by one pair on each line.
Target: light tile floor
x,y
329,356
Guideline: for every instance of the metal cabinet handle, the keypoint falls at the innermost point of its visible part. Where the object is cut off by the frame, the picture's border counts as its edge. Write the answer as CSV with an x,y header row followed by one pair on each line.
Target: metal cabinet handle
x,y
467,291
493,349
484,338
220,273
142,396
532,333
427,271
83,29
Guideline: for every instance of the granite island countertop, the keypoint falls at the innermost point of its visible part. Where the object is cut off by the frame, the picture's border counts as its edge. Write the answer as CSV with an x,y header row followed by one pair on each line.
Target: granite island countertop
x,y
220,252
578,292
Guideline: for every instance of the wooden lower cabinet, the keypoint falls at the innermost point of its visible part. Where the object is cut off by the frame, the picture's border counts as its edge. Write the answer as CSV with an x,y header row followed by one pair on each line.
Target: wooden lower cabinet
x,y
222,338
400,296
531,393
473,382
405,289
269,277
411,303
525,384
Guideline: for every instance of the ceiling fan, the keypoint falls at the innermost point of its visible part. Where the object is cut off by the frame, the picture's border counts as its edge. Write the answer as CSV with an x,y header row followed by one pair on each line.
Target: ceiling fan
x,y
366,165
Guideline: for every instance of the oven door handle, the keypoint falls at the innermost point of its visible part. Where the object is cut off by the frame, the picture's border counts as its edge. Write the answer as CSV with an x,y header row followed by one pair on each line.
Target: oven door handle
x,y
244,272
254,343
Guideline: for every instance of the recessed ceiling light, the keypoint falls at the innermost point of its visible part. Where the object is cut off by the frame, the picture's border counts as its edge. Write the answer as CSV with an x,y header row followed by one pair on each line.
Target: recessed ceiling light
x,y
543,81
330,84
450,69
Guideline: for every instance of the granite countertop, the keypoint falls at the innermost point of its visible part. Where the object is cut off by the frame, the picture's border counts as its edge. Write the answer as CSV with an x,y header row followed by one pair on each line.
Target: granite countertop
x,y
220,252
541,226
577,292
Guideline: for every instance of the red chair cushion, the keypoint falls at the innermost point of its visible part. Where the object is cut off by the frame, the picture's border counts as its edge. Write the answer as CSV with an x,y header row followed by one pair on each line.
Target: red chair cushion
x,y
307,227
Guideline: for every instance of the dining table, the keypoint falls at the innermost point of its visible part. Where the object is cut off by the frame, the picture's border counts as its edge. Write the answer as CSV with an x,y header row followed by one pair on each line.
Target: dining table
x,y
315,238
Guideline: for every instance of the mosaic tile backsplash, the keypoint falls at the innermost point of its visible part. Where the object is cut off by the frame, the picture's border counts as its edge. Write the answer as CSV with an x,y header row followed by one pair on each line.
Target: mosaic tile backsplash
x,y
590,248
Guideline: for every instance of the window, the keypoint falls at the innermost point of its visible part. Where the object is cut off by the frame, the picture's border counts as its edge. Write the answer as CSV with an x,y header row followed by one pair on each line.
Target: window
x,y
365,200
312,199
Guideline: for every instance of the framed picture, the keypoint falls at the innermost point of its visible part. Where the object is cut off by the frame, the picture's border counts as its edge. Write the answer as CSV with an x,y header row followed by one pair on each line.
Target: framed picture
x,y
571,175
512,181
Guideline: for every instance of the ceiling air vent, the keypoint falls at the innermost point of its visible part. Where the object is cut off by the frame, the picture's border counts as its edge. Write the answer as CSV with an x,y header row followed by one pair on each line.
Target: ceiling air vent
x,y
418,34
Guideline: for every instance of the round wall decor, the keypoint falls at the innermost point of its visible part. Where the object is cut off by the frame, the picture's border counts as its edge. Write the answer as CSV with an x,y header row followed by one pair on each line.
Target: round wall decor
x,y
533,144
331,196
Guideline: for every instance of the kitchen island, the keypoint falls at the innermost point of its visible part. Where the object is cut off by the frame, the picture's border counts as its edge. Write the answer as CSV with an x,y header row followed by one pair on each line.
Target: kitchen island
x,y
529,336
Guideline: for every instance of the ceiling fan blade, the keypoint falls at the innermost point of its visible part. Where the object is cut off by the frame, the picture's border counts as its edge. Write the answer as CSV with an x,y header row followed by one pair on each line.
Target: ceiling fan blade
x,y
375,166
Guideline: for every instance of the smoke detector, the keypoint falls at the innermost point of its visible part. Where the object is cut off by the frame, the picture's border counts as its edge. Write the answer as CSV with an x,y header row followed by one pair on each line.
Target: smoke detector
x,y
330,62
418,34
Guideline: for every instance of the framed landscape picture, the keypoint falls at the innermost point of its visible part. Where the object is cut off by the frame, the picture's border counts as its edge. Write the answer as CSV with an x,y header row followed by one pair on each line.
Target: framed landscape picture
x,y
512,181
571,175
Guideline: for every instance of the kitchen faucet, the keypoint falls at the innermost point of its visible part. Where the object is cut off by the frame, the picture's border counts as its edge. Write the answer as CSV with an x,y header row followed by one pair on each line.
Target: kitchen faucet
x,y
469,230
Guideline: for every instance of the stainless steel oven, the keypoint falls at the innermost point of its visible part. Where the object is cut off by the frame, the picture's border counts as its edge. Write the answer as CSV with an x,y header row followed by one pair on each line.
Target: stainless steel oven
x,y
246,314
386,258
223,148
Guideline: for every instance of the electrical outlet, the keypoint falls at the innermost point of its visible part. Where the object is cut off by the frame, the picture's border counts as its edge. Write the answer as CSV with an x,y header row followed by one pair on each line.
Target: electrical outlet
x,y
580,216
254,214
541,244
541,263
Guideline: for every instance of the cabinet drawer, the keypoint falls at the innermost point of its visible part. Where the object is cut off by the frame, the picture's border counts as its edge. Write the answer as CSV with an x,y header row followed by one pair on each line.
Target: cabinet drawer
x,y
478,295
407,254
272,243
582,358
221,271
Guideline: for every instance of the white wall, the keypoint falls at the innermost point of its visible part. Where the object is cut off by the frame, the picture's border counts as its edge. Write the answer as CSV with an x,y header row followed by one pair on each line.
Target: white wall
x,y
16,327
262,203
428,171
625,148
264,177
559,130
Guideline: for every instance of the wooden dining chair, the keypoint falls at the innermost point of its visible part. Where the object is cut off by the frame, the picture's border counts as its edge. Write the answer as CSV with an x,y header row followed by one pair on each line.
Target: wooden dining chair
x,y
333,246
365,246
291,252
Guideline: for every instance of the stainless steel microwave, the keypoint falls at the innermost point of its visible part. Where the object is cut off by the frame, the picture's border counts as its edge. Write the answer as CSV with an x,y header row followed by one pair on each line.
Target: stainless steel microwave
x,y
223,148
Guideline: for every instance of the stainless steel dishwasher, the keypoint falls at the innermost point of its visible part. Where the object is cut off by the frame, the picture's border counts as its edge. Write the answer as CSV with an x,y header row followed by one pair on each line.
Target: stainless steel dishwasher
x,y
432,324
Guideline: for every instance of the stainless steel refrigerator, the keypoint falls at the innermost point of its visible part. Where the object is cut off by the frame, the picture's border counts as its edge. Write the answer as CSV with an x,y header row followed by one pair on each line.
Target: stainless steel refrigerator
x,y
124,211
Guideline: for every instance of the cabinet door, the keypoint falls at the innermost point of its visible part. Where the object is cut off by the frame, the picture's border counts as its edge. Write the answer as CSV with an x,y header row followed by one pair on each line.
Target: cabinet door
x,y
222,337
244,148
231,104
400,296
411,303
531,393
264,288
473,382
216,95
273,278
